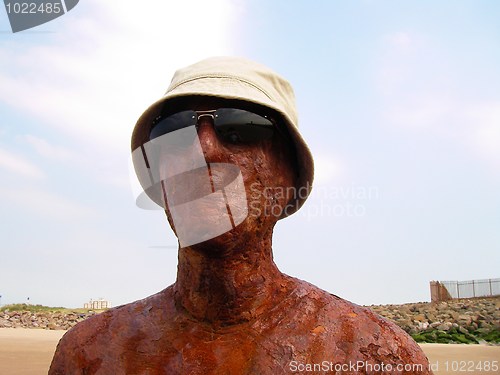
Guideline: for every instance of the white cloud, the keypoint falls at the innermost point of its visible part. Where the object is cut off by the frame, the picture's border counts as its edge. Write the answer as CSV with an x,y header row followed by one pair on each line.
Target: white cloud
x,y
17,164
105,64
400,39
417,83
46,204
45,149
424,112
326,168
398,56
93,78
484,124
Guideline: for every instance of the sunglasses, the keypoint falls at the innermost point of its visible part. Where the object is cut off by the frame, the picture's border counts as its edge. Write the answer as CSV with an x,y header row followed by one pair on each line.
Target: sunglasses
x,y
235,126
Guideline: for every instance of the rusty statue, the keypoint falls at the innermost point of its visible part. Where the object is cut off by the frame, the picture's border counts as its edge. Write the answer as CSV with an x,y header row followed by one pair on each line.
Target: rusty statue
x,y
221,153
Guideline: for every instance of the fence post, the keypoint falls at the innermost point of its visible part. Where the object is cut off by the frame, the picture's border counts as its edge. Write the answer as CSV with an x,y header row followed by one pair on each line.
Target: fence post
x,y
458,291
473,289
491,291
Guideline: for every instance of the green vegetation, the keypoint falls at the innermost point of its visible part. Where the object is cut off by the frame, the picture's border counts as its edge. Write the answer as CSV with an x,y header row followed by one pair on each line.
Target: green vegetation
x,y
492,336
456,335
40,308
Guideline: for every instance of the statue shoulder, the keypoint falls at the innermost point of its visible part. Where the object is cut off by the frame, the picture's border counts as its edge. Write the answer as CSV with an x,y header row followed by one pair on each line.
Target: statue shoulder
x,y
84,347
349,333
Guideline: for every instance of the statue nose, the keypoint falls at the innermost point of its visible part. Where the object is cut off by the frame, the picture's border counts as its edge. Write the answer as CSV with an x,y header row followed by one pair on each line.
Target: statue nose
x,y
208,139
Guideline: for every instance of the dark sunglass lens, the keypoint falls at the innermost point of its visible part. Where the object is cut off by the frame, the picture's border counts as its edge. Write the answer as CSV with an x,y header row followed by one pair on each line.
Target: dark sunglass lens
x,y
240,126
172,123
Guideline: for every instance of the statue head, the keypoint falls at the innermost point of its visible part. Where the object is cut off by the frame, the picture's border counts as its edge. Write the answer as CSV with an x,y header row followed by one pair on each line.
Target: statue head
x,y
221,152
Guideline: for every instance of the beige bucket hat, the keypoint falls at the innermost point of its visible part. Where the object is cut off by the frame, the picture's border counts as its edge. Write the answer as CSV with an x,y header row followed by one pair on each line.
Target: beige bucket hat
x,y
238,79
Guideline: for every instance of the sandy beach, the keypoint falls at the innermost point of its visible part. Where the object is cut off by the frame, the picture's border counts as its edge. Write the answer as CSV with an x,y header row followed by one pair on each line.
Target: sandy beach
x,y
29,352
463,358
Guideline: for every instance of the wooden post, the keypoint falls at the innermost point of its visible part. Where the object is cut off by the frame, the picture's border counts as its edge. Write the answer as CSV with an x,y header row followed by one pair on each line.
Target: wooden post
x,y
434,292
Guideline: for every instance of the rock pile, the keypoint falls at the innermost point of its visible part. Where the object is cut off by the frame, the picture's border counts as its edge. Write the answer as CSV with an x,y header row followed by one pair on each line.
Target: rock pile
x,y
45,320
460,321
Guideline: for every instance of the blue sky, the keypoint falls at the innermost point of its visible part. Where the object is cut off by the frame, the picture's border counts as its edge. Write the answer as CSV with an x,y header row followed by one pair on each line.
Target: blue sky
x,y
399,102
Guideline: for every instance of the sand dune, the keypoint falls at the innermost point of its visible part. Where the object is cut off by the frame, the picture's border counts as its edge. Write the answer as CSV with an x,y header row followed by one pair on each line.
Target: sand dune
x,y
30,351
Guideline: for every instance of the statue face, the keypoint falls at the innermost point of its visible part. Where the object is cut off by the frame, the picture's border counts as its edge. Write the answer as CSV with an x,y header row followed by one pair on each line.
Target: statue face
x,y
221,185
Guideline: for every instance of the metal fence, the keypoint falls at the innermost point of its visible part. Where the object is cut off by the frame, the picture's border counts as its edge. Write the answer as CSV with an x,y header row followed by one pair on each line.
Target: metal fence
x,y
445,290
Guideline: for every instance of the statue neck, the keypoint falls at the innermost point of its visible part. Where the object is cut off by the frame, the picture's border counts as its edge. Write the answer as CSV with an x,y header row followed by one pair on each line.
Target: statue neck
x,y
231,288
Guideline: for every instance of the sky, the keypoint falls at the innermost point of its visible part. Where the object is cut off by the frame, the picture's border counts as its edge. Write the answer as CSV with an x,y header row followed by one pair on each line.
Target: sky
x,y
399,103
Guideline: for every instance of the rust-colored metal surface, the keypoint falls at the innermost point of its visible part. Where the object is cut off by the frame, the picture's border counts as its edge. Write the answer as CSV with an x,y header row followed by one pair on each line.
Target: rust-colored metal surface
x,y
231,311
299,325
